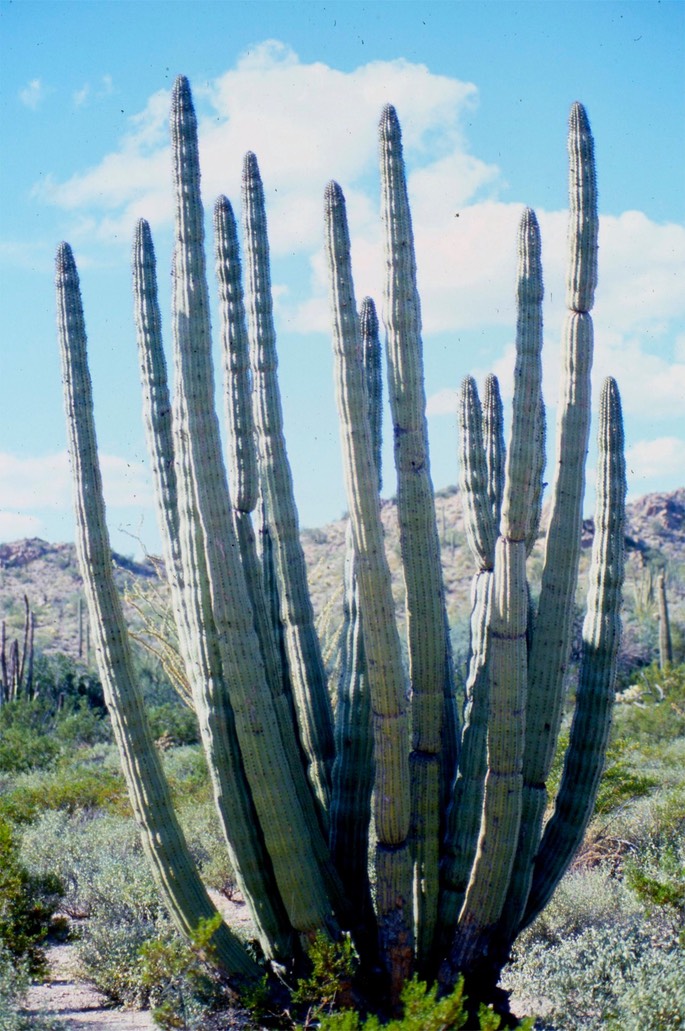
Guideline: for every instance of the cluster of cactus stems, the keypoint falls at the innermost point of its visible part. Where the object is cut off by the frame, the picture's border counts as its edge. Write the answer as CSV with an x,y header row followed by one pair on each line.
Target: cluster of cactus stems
x,y
398,815
16,661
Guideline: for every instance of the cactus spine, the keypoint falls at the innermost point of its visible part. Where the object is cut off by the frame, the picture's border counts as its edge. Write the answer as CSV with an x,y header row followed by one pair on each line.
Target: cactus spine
x,y
459,862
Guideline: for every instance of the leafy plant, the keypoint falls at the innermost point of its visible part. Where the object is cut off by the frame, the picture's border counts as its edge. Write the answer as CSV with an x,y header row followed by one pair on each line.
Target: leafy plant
x,y
183,983
27,904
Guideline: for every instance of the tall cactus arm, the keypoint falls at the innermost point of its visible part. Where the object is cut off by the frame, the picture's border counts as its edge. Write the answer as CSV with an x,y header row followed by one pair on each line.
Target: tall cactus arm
x,y
162,837
524,464
307,672
371,360
300,877
353,772
550,647
157,416
241,449
428,642
476,477
465,810
481,471
665,641
601,636
507,679
495,450
381,640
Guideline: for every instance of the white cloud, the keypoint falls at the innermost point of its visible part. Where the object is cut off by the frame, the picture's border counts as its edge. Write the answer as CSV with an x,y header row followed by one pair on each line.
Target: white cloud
x,y
308,122
36,483
33,94
443,402
81,95
658,460
15,525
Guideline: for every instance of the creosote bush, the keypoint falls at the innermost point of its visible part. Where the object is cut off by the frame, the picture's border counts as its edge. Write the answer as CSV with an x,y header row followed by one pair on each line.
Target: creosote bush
x,y
418,833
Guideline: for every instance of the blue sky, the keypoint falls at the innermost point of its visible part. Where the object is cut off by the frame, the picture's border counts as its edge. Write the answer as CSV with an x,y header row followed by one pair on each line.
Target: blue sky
x,y
483,92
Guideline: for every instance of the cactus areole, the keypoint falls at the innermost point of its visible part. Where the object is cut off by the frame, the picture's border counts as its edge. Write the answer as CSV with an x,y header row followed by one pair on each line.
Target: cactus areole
x,y
413,819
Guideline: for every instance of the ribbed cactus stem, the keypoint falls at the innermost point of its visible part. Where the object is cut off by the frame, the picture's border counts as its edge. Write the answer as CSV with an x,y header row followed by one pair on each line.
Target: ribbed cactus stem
x,y
665,642
235,349
601,637
551,639
581,281
520,504
507,674
307,672
371,360
495,452
428,643
162,837
242,461
475,479
465,811
387,686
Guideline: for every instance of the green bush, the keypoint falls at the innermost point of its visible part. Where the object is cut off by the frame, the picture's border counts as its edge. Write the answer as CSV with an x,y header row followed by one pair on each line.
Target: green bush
x,y
606,976
100,860
652,709
423,1011
79,781
14,982
184,986
27,904
34,733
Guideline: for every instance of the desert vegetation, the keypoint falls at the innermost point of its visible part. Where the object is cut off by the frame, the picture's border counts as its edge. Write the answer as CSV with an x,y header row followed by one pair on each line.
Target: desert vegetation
x,y
398,836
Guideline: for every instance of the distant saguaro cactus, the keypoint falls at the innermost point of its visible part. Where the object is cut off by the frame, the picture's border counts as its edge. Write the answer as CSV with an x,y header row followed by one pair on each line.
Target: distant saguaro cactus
x,y
16,660
451,808
665,643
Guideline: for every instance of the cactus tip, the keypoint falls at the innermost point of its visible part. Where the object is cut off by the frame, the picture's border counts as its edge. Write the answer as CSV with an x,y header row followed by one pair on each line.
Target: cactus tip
x,y
389,126
64,259
333,195
250,167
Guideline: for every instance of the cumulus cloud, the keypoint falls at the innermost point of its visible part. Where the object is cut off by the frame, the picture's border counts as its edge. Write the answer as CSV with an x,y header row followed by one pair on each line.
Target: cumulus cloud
x,y
308,122
652,462
44,483
33,94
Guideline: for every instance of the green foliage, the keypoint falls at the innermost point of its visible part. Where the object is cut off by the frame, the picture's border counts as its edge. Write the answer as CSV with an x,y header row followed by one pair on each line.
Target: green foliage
x,y
623,975
621,781
652,710
333,965
34,733
181,978
423,1011
657,877
77,782
27,904
14,982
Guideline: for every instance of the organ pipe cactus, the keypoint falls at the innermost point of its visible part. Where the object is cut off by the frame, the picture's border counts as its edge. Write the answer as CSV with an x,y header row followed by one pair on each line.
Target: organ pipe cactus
x,y
451,809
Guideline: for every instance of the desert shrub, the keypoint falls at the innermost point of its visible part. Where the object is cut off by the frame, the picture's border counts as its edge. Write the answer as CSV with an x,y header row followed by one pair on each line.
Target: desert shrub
x,y
27,904
423,1011
596,979
174,722
109,955
652,709
183,983
58,678
34,732
85,780
14,982
207,846
584,899
99,858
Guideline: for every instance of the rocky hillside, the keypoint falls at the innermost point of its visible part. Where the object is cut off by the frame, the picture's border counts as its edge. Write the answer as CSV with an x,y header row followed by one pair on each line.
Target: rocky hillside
x,y
47,574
